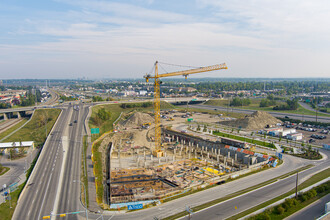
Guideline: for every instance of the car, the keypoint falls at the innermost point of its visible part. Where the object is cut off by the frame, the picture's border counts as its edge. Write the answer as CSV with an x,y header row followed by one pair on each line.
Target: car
x,y
286,116
70,124
311,140
183,131
75,121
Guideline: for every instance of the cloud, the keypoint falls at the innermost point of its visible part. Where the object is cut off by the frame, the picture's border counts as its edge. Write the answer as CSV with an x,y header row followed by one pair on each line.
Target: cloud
x,y
107,38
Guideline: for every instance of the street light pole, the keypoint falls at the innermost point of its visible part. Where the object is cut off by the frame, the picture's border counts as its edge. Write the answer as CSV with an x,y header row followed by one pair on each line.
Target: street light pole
x,y
85,196
85,199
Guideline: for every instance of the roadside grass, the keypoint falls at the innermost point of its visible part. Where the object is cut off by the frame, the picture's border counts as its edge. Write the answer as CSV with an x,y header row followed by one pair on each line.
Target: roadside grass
x,y
255,106
245,139
35,129
84,177
97,164
314,179
6,212
4,170
8,131
235,194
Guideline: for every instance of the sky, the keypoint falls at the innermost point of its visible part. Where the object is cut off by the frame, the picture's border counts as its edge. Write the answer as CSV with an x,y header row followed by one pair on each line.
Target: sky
x,y
123,39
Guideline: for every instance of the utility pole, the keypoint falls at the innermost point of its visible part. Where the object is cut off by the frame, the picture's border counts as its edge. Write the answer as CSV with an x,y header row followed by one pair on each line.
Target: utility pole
x,y
297,186
316,114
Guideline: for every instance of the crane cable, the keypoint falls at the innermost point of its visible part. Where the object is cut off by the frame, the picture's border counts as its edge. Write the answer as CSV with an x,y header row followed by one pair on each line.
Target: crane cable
x,y
170,64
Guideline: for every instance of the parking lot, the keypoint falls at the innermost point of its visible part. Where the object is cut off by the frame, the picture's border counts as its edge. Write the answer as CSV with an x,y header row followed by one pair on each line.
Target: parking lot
x,y
312,134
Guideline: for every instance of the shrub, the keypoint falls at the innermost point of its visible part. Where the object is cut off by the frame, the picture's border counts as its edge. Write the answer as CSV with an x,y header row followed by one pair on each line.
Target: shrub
x,y
280,210
303,198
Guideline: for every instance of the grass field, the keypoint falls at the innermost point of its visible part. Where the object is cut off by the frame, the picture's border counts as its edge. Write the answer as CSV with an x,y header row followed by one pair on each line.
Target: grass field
x,y
4,170
255,106
248,140
35,130
6,212
8,131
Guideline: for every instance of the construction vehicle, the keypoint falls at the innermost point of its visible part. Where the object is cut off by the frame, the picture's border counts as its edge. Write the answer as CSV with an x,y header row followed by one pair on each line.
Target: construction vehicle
x,y
158,141
170,119
146,125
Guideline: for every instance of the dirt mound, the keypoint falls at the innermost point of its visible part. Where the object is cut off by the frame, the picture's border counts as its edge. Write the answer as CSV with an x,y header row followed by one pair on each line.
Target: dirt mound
x,y
137,119
257,120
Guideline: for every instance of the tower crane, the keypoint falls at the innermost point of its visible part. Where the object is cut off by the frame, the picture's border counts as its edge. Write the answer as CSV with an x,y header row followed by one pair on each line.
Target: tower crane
x,y
158,142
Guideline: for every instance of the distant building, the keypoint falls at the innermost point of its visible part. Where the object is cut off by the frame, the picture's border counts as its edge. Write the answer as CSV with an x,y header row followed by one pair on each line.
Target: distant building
x,y
143,92
284,133
187,89
295,136
273,131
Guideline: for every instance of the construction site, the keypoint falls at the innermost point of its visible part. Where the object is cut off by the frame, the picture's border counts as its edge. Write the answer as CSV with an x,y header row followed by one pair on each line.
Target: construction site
x,y
155,155
189,161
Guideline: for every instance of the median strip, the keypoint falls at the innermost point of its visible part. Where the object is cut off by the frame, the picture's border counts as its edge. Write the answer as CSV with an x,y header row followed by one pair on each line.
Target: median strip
x,y
314,179
236,194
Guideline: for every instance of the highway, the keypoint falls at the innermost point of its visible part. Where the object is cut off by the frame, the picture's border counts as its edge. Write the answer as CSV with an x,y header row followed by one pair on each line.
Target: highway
x,y
249,200
69,197
36,199
54,185
275,114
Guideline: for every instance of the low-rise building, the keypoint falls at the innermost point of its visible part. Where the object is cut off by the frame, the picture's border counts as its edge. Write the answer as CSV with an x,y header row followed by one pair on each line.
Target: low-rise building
x,y
274,131
295,136
284,133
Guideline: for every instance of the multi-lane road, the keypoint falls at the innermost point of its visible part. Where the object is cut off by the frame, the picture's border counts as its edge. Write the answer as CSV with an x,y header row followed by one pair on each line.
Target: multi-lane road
x,y
54,186
51,189
275,114
249,200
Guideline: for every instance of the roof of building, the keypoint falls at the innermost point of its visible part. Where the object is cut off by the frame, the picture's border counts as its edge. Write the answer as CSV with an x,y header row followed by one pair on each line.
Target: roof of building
x,y
17,144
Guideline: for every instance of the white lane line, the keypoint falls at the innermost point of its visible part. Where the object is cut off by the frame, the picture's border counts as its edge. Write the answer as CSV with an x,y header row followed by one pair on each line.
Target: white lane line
x,y
43,201
65,144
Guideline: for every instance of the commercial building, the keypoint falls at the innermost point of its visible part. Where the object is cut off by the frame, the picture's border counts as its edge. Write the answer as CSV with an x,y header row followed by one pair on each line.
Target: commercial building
x,y
295,136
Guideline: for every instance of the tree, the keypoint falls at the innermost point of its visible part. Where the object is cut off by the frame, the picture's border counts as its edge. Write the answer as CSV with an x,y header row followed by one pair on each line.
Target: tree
x,y
97,99
103,114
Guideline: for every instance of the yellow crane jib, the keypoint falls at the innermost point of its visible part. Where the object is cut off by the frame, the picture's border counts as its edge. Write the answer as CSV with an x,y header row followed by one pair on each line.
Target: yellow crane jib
x,y
158,142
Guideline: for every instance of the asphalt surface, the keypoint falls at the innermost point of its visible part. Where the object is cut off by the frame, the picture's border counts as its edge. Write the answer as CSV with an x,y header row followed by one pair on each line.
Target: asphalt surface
x,y
70,194
281,115
312,211
308,107
249,200
36,199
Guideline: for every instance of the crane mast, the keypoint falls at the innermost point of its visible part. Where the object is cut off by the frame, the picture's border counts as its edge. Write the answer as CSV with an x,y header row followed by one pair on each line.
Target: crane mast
x,y
158,142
